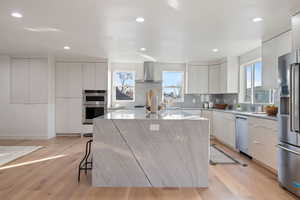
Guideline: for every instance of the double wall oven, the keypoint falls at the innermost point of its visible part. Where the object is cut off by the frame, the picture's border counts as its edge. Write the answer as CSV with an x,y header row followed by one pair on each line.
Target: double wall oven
x,y
94,105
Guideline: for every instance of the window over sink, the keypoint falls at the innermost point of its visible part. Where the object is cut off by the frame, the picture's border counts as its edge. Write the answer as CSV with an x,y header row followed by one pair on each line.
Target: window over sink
x,y
251,85
173,86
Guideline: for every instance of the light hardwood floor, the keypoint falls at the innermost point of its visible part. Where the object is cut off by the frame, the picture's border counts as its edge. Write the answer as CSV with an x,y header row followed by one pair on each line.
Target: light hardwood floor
x,y
51,173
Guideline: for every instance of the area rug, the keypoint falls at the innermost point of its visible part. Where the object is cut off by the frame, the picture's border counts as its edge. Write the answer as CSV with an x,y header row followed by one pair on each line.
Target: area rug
x,y
218,156
10,153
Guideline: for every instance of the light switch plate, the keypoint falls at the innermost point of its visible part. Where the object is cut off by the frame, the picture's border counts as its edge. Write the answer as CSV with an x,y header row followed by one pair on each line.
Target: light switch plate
x,y
154,127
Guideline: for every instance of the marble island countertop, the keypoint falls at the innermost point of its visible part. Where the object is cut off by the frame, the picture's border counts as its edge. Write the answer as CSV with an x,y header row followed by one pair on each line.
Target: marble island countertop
x,y
141,114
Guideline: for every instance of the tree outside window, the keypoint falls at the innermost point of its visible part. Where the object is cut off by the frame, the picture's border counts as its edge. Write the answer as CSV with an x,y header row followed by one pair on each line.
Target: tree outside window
x,y
124,84
173,86
251,85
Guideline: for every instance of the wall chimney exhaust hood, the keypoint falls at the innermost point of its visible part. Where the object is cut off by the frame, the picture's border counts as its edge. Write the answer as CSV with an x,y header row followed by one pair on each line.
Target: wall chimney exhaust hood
x,y
148,73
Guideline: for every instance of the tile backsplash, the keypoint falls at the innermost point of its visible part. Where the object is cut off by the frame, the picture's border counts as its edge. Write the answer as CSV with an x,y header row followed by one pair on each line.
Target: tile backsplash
x,y
197,100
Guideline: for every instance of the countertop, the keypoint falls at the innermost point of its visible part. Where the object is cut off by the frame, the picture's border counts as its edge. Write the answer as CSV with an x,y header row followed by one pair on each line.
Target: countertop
x,y
176,114
235,112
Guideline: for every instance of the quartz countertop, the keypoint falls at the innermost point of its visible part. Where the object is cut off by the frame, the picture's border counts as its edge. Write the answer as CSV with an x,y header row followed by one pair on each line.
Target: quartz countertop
x,y
177,114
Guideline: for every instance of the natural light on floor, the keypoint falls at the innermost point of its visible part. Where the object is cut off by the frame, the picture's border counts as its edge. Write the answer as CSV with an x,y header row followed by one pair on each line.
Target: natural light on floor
x,y
32,162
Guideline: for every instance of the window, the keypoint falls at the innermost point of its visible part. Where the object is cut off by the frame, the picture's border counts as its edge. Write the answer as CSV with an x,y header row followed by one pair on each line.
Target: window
x,y
252,90
173,86
124,85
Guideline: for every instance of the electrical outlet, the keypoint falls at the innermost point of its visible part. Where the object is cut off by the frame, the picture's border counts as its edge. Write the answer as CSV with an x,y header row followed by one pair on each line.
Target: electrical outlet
x,y
154,127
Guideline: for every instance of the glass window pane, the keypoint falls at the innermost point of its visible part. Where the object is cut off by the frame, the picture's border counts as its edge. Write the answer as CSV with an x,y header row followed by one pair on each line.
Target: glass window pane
x,y
173,86
124,83
257,74
248,88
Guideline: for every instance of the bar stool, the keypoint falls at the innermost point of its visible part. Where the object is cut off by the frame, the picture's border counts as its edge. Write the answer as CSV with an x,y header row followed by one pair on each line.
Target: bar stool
x,y
85,164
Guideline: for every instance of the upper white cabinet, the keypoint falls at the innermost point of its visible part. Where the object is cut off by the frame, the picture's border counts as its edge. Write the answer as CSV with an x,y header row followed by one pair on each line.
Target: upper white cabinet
x,y
29,81
197,79
94,76
214,79
271,50
68,80
38,81
229,75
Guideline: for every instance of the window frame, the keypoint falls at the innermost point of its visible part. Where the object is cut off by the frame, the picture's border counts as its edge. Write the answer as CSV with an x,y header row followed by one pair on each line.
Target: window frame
x,y
114,86
253,100
183,84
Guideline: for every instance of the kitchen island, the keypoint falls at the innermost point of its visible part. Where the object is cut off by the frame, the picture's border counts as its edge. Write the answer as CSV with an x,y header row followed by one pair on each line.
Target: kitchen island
x,y
135,149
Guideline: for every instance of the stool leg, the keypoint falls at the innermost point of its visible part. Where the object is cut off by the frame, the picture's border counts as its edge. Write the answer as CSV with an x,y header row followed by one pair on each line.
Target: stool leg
x,y
88,155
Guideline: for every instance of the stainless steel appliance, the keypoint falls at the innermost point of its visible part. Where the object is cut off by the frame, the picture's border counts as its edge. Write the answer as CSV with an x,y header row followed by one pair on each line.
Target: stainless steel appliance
x,y
242,136
94,105
289,136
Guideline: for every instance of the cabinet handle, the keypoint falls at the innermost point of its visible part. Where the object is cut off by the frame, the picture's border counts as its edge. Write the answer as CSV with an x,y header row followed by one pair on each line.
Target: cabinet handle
x,y
256,142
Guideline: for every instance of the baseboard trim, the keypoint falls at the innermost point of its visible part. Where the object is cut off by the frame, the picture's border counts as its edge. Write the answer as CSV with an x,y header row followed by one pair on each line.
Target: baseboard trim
x,y
68,134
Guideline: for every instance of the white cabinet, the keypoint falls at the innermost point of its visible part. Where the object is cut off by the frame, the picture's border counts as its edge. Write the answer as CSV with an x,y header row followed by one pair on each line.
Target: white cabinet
x,y
214,79
197,79
68,80
29,81
38,85
208,115
223,78
68,115
19,83
224,128
271,50
94,76
229,75
263,141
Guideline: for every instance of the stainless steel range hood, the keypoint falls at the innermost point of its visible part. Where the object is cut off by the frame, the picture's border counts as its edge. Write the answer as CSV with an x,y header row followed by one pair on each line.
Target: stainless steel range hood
x,y
148,73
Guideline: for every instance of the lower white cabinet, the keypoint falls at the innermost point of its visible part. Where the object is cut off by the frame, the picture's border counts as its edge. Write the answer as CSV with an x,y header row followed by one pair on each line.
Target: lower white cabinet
x,y
224,128
68,113
208,115
263,141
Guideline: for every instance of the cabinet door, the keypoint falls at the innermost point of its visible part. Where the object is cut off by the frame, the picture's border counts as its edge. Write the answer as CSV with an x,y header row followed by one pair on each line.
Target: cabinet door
x,y
61,80
75,115
101,76
89,76
223,78
74,80
229,130
214,79
198,80
38,81
271,50
19,86
61,115
208,115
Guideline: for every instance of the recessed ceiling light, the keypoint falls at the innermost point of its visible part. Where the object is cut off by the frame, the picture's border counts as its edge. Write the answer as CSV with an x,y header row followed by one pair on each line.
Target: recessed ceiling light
x,y
143,49
140,19
16,15
215,50
257,19
67,48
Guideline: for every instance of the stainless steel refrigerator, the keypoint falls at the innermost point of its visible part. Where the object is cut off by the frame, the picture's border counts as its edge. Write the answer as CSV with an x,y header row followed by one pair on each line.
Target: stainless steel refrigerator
x,y
289,135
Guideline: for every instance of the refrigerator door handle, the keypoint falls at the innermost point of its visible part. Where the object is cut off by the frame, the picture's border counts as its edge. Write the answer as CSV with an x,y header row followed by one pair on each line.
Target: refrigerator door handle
x,y
289,150
294,95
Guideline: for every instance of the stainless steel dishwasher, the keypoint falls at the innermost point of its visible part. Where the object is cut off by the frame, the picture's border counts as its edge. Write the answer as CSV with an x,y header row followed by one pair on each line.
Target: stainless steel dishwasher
x,y
242,136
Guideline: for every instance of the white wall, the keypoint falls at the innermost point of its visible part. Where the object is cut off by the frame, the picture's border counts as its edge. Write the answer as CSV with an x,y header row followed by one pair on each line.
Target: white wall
x,y
22,121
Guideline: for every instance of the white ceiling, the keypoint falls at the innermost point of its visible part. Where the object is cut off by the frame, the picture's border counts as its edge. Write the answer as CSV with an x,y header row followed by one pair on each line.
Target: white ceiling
x,y
107,28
